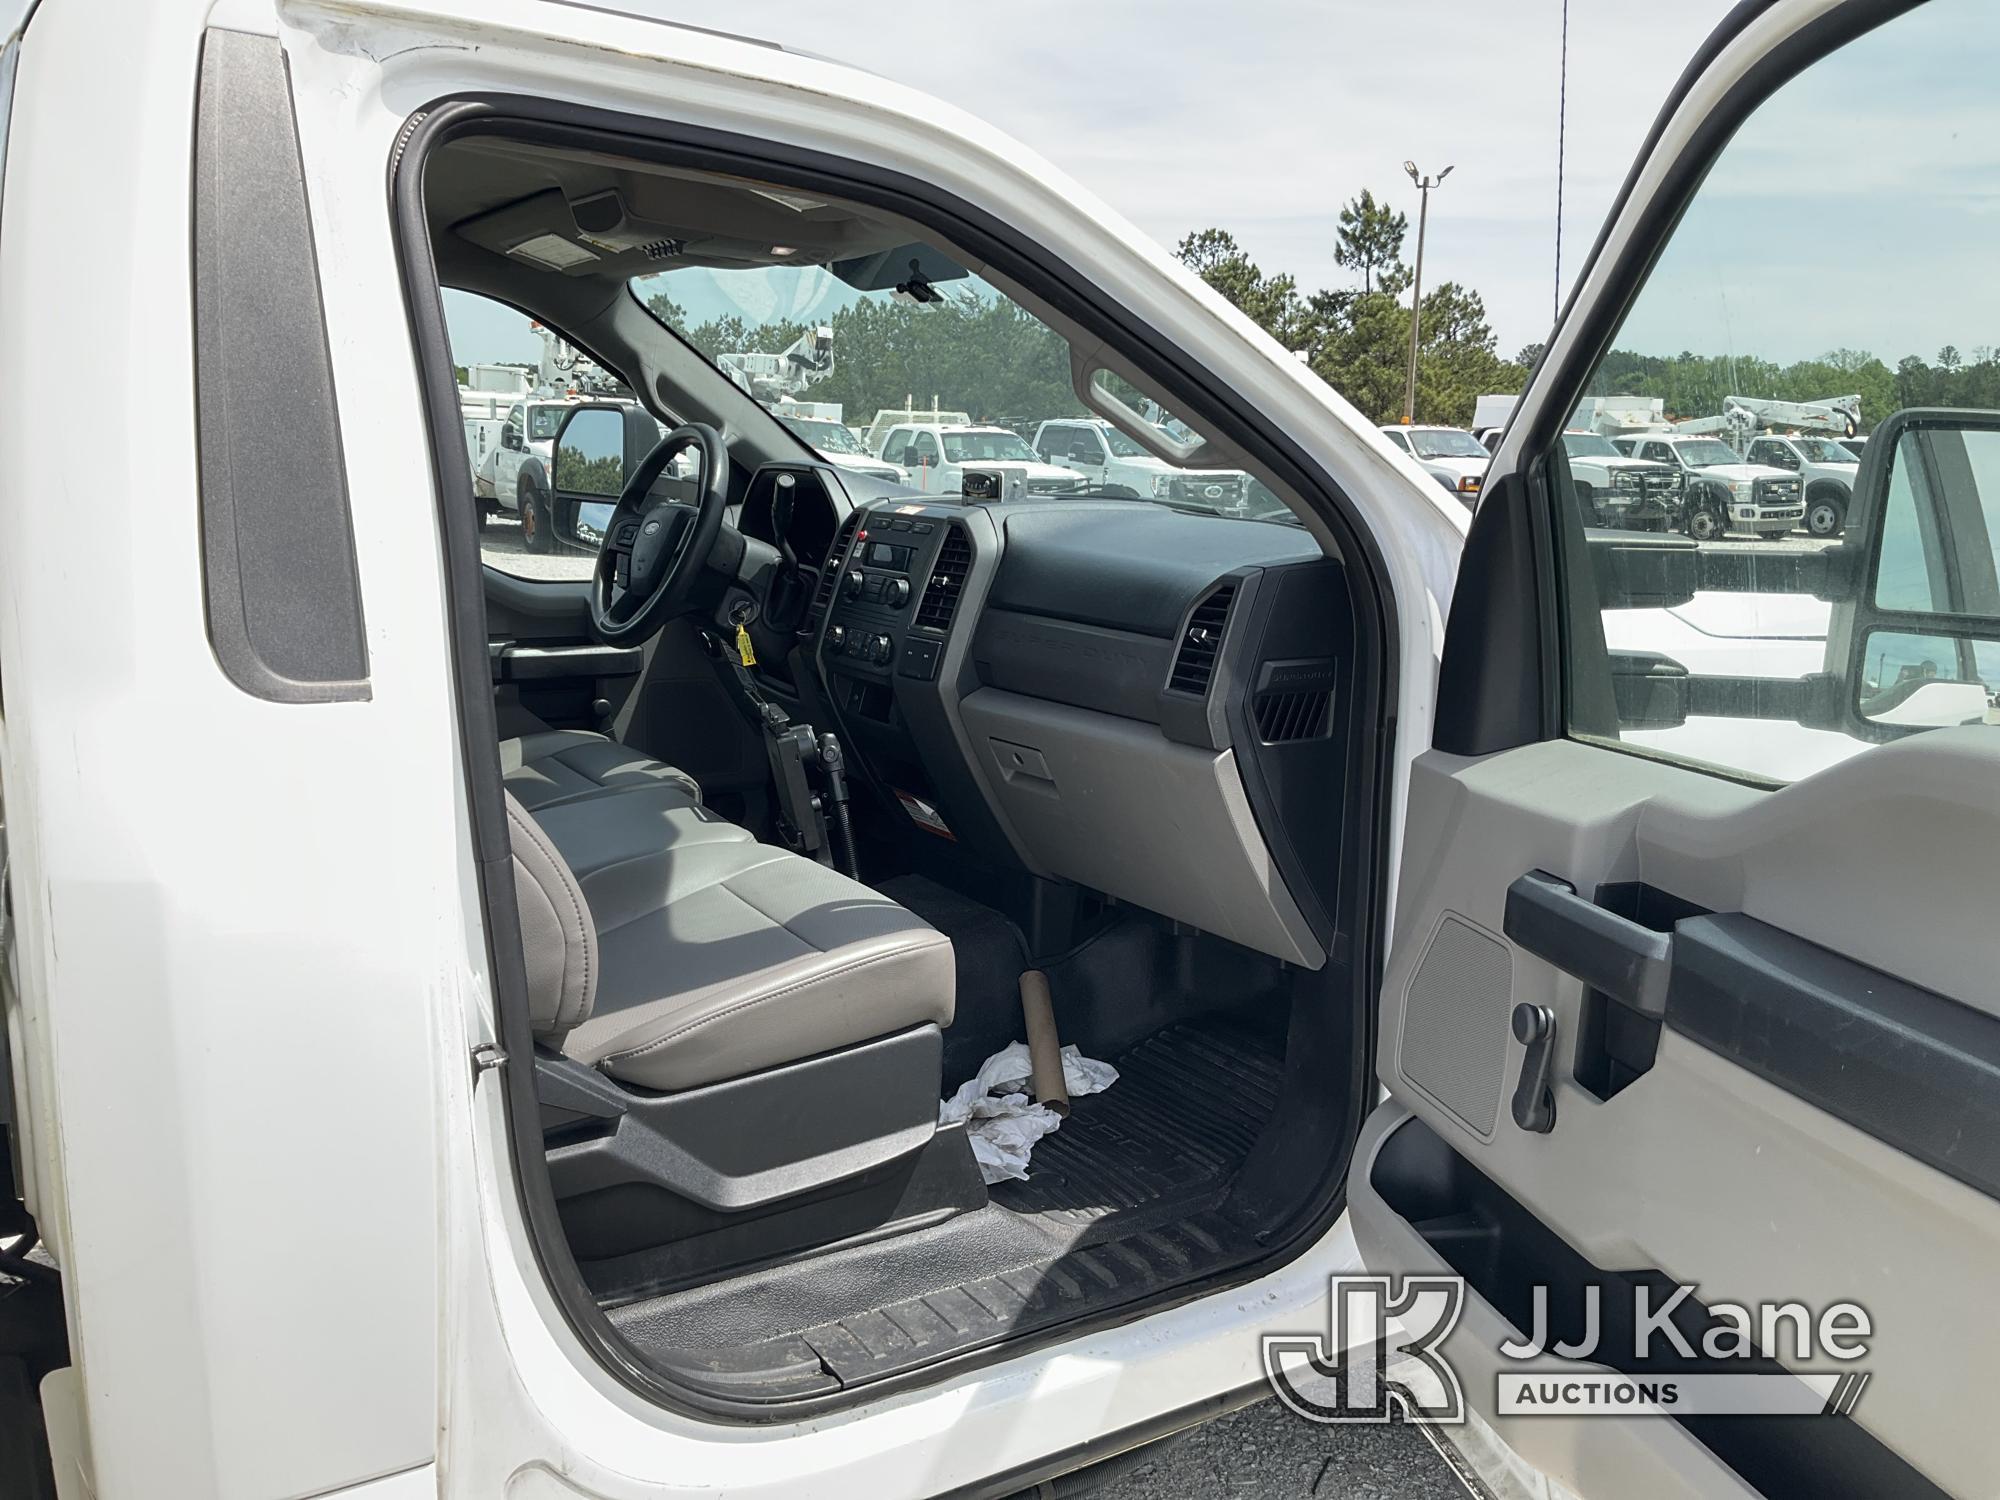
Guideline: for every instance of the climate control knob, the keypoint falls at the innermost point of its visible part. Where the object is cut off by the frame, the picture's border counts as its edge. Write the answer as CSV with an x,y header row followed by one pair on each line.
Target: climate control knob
x,y
851,585
881,649
836,638
896,592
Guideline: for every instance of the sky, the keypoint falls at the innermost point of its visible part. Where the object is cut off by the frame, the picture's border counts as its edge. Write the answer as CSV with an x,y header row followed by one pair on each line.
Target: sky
x,y
1856,210
1263,116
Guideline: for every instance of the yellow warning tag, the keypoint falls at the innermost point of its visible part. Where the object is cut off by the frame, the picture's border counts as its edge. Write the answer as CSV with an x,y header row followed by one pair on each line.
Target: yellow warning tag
x,y
745,652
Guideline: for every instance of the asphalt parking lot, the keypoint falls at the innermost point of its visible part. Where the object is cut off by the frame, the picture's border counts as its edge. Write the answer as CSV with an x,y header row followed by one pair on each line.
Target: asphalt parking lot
x,y
1267,1452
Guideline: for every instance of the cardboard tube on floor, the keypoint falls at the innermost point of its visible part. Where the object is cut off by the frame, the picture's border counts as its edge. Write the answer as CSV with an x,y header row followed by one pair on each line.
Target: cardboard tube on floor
x,y
1044,1047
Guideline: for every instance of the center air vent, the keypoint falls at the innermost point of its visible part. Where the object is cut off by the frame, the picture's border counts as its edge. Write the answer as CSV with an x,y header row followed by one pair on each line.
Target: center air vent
x,y
954,561
829,572
1201,643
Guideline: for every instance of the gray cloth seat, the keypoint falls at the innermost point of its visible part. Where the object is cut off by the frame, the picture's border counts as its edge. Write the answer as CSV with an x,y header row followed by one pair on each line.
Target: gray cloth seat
x,y
669,949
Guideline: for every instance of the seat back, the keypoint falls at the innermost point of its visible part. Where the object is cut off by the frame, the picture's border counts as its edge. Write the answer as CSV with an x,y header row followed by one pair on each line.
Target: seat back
x,y
558,937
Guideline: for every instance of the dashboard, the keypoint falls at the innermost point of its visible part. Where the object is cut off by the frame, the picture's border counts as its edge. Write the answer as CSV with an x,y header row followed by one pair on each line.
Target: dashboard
x,y
1152,705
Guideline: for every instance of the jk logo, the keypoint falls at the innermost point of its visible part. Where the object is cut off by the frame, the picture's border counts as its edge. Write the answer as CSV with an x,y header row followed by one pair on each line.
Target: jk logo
x,y
1380,1349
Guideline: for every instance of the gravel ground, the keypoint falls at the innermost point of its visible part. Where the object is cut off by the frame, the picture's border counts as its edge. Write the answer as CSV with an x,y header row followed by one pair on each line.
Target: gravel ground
x,y
1266,1452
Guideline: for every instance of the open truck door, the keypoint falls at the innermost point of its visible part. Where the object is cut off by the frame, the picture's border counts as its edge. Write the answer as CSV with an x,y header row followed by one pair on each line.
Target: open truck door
x,y
1692,977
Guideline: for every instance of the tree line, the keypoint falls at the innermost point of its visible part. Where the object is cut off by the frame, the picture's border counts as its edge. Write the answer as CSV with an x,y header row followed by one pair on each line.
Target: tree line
x,y
980,350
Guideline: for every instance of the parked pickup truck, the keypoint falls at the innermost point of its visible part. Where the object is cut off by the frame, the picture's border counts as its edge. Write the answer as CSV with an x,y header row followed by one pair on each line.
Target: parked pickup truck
x,y
1723,493
836,443
1113,463
1634,494
936,456
1450,455
515,472
1825,467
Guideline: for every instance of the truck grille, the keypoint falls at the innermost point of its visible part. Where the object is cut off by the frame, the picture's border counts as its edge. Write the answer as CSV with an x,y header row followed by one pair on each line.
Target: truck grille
x,y
1054,486
1777,492
1205,489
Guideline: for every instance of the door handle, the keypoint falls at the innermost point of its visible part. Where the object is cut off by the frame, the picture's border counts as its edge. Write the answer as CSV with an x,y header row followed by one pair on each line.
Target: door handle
x,y
1610,953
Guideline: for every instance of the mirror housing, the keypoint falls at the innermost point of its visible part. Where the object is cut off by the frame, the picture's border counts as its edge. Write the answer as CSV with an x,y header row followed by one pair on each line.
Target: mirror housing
x,y
1920,641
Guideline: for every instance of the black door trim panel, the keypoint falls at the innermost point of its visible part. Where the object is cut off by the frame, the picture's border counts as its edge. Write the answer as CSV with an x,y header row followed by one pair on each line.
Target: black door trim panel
x,y
1912,1068
1504,1252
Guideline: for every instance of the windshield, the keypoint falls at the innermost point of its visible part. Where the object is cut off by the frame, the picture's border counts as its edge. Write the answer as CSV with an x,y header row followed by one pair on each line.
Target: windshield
x,y
544,421
1705,453
986,447
827,437
1588,445
962,355
1821,451
1446,442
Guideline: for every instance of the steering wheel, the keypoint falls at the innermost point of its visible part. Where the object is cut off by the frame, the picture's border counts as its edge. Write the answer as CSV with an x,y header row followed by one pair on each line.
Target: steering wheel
x,y
652,554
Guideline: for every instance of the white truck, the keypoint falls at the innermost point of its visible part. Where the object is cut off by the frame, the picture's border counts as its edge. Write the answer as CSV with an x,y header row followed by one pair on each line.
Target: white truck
x,y
1450,455
1721,492
432,1073
834,441
513,476
1616,489
1114,464
937,456
1825,467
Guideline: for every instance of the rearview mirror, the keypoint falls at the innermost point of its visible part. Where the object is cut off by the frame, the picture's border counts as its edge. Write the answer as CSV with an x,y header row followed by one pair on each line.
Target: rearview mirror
x,y
589,452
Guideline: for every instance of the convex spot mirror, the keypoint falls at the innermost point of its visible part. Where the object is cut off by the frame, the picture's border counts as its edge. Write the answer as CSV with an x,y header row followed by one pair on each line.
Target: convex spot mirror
x,y
1924,647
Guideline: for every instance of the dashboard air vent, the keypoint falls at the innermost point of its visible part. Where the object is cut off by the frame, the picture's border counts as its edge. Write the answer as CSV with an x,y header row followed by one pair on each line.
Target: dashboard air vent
x,y
1284,717
947,582
1201,643
829,571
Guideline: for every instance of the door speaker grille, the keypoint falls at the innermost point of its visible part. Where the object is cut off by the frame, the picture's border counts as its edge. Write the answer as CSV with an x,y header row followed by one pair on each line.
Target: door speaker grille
x,y
1455,1013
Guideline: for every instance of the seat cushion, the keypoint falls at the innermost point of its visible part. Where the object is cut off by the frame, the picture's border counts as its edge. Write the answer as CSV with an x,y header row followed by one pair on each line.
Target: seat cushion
x,y
554,766
595,833
720,958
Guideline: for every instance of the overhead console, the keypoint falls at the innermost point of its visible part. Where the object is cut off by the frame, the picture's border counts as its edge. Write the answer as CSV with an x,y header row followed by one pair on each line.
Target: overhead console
x,y
1147,704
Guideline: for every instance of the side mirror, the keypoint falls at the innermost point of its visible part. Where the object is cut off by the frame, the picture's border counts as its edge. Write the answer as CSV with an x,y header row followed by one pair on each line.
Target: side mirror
x,y
589,452
510,437
1922,646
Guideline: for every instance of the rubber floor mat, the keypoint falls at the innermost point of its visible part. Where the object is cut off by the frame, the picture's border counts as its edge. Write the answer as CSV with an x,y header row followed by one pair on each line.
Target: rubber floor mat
x,y
1120,1203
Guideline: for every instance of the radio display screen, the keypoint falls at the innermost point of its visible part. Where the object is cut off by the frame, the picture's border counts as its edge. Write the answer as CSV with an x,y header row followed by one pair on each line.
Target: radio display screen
x,y
882,555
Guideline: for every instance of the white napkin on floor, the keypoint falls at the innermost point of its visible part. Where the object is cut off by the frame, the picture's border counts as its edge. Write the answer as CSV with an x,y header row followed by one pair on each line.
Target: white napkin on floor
x,y
1002,1122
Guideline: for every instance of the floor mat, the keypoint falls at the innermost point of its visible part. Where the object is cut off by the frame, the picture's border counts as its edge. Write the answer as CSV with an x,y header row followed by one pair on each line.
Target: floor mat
x,y
1120,1202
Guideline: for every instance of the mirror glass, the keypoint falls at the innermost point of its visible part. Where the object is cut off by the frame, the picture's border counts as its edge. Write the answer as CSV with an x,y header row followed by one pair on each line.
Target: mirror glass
x,y
1941,523
1929,681
590,454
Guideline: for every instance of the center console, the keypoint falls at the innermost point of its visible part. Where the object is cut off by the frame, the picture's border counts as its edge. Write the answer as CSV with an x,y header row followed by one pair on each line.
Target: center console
x,y
893,618
894,585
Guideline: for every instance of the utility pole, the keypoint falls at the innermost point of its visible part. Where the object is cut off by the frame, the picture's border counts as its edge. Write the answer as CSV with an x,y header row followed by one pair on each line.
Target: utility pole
x,y
1424,186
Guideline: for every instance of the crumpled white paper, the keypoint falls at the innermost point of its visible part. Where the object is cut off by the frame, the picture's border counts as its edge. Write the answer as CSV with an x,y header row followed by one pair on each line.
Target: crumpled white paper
x,y
1002,1122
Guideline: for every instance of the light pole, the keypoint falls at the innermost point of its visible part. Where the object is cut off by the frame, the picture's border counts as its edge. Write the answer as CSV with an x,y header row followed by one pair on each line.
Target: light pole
x,y
1424,186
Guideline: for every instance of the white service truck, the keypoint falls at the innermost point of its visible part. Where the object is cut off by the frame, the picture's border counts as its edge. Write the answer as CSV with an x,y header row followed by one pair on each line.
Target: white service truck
x,y
1115,464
